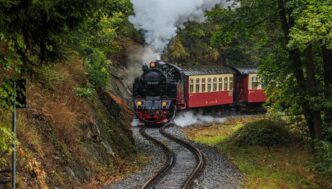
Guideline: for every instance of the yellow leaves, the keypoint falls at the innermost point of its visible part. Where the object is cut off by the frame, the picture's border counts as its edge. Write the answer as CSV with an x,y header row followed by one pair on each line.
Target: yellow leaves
x,y
35,168
177,49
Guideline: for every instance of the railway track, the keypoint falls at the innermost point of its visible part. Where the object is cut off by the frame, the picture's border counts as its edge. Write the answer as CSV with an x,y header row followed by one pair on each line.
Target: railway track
x,y
184,161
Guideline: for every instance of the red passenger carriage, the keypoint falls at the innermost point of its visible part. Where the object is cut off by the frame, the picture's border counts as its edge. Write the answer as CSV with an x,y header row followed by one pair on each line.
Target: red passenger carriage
x,y
164,89
207,86
248,88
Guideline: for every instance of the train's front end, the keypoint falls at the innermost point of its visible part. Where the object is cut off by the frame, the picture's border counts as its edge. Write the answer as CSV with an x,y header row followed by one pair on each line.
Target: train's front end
x,y
152,103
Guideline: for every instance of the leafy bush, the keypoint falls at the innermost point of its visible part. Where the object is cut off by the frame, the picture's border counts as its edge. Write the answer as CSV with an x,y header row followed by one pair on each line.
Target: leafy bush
x,y
6,89
323,158
86,93
6,139
262,133
98,67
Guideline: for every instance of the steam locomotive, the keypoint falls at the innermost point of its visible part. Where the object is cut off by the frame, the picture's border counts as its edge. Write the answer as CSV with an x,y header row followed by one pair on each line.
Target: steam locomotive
x,y
163,89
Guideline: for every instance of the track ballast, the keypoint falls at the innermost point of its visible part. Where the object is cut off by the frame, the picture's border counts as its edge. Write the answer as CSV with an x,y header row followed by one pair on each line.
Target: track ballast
x,y
184,161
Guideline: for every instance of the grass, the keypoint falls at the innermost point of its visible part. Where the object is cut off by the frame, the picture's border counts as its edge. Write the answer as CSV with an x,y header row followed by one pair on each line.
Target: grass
x,y
286,166
213,135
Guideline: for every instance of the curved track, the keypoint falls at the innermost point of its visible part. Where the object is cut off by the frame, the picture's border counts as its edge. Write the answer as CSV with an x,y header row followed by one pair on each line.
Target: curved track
x,y
184,161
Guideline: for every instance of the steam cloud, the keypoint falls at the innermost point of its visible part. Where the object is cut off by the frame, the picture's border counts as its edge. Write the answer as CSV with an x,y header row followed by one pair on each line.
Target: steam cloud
x,y
135,123
160,19
184,119
137,57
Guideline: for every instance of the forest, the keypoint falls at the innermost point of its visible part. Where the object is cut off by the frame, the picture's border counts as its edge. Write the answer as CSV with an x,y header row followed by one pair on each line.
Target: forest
x,y
289,40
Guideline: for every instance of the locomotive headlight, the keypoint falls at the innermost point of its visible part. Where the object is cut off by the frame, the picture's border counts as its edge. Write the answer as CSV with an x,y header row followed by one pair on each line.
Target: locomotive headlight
x,y
152,65
139,104
164,104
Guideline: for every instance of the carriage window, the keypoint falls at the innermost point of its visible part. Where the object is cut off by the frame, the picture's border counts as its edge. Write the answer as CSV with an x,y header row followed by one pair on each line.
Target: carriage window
x,y
254,83
220,83
214,84
191,85
209,85
203,85
226,84
231,83
197,85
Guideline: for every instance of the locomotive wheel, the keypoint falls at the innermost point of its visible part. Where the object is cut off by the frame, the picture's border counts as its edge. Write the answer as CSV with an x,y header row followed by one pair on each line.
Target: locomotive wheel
x,y
152,125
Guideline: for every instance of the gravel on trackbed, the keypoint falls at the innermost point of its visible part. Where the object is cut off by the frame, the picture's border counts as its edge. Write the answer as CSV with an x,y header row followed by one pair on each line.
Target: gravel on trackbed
x,y
136,180
219,172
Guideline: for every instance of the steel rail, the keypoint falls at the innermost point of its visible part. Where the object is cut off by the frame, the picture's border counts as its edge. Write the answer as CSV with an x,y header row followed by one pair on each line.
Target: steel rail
x,y
170,162
200,161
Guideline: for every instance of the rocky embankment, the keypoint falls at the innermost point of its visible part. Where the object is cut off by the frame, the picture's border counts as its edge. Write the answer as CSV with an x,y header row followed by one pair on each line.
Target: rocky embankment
x,y
71,136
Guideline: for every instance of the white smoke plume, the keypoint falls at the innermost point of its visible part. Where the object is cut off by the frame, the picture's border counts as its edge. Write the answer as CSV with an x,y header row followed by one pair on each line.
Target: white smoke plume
x,y
160,19
138,56
184,119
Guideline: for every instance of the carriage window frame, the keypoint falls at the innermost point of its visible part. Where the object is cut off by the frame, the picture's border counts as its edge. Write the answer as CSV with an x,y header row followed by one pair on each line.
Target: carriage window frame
x,y
215,85
209,84
255,83
203,88
191,85
231,83
197,85
220,83
226,84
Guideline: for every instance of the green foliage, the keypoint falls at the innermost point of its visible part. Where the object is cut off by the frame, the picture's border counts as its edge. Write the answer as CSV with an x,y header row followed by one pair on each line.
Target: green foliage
x,y
86,93
323,157
262,133
111,30
49,78
97,67
313,24
6,137
38,30
6,91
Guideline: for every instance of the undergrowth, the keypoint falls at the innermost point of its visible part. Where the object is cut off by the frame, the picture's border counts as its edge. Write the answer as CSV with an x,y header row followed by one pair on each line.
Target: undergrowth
x,y
323,158
268,153
262,133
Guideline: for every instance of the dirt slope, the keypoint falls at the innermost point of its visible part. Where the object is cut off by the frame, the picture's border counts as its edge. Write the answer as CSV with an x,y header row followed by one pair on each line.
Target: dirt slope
x,y
66,141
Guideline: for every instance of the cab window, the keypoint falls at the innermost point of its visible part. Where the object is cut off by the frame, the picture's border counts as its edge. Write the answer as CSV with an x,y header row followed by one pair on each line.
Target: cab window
x,y
226,84
203,85
197,85
220,83
191,85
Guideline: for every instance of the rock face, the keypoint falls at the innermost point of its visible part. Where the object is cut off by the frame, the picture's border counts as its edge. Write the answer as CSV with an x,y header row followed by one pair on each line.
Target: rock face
x,y
67,141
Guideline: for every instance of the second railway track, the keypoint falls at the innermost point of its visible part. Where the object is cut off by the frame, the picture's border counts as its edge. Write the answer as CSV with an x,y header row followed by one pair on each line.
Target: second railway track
x,y
183,165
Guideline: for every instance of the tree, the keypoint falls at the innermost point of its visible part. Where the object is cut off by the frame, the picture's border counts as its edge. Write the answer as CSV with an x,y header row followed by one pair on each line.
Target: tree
x,y
313,27
38,30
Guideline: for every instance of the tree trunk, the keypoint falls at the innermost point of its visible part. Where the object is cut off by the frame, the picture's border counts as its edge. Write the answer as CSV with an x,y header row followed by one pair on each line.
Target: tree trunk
x,y
312,90
312,118
327,61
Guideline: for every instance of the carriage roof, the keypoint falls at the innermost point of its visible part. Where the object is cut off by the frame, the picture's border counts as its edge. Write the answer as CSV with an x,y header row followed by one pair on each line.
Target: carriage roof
x,y
207,70
245,69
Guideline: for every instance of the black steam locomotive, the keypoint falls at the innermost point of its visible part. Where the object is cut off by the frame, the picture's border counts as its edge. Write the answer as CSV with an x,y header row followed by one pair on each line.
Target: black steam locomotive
x,y
157,91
